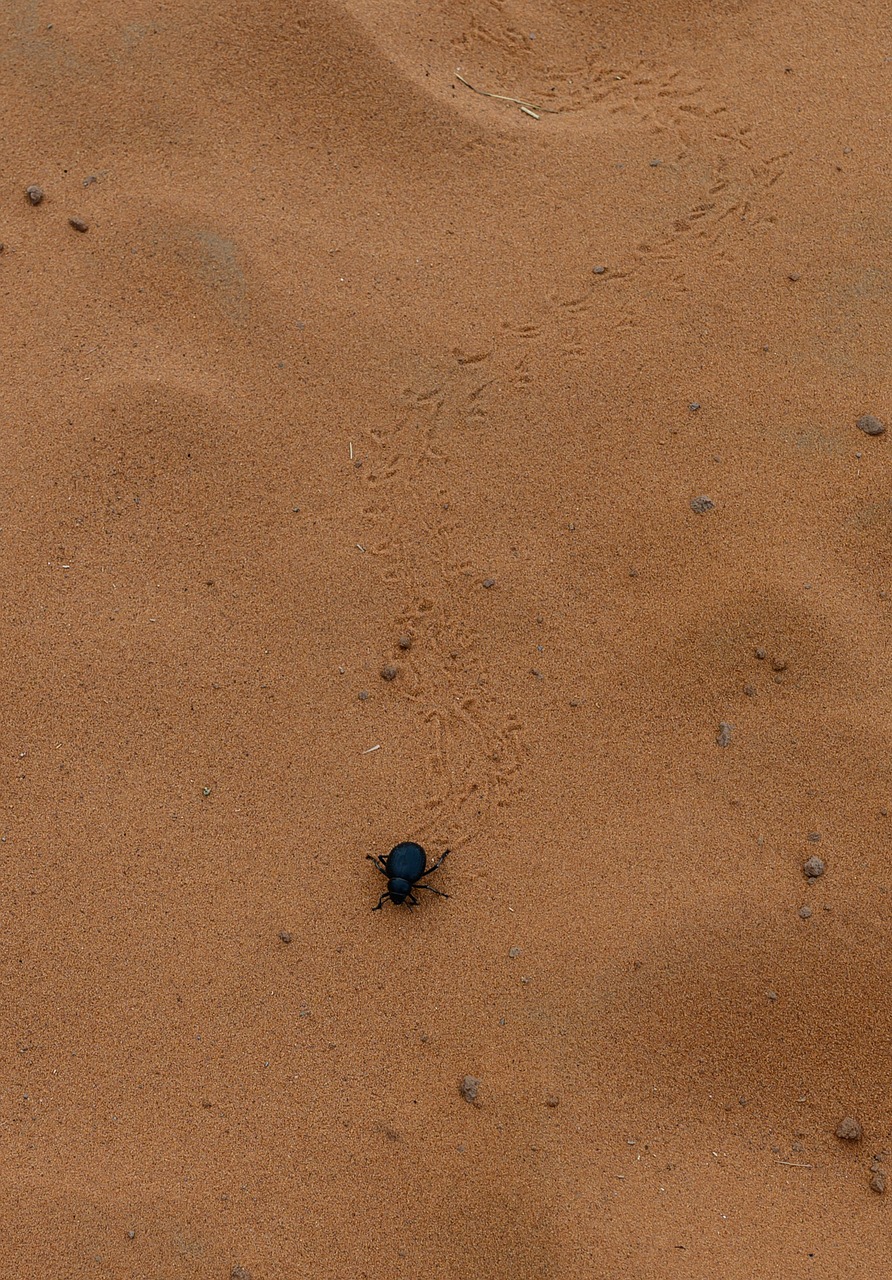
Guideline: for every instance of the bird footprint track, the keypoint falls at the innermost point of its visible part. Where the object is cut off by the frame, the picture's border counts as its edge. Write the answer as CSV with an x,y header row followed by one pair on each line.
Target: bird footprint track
x,y
473,742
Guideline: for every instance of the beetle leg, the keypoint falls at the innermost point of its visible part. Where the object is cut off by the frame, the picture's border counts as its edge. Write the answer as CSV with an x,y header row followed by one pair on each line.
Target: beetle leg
x,y
384,895
430,888
382,869
436,864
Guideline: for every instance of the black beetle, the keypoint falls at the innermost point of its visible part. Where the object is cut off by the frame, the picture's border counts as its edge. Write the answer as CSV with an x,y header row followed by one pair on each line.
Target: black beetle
x,y
404,868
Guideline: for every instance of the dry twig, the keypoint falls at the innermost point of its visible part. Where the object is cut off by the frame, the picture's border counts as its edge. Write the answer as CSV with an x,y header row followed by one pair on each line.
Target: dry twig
x,y
525,106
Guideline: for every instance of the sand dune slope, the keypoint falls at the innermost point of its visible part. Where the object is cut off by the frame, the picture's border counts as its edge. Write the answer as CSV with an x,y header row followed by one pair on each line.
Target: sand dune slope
x,y
553,412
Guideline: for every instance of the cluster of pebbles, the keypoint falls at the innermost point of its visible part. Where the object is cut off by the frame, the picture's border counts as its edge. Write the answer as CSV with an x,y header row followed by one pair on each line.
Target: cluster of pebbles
x,y
35,195
849,1130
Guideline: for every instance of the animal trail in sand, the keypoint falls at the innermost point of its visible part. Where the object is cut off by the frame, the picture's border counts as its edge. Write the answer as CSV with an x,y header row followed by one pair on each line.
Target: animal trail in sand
x,y
474,740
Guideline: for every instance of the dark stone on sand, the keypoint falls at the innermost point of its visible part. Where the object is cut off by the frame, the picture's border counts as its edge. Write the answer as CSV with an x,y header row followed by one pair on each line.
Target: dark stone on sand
x,y
702,504
849,1129
405,642
469,1088
805,913
285,935
389,672
79,224
489,582
813,868
878,1181
723,737
34,194
870,425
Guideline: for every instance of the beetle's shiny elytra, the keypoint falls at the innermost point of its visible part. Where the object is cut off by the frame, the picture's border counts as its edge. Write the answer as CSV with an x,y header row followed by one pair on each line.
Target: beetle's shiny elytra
x,y
404,868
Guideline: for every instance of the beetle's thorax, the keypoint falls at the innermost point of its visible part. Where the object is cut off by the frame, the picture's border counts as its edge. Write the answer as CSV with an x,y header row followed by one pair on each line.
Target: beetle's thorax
x,y
398,888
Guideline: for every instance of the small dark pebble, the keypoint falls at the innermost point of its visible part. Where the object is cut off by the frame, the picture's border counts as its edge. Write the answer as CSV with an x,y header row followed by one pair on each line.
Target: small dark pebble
x,y
131,1235
702,504
285,935
723,737
405,642
870,425
552,1101
814,837
771,995
240,1273
363,695
813,868
760,654
468,1088
849,1129
805,913
794,276
878,1181
749,690
79,224
694,406
599,271
778,664
34,194
534,671
489,582
390,672
513,952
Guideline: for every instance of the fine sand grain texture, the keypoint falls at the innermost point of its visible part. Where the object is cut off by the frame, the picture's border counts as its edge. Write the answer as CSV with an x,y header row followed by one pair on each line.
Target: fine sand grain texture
x,y
383,460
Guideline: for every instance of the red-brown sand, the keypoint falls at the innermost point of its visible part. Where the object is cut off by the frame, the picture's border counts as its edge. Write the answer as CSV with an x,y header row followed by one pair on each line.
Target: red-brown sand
x,y
345,341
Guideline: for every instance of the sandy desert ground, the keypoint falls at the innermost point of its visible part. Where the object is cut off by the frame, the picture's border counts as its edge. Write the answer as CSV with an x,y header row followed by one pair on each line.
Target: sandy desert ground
x,y
347,353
